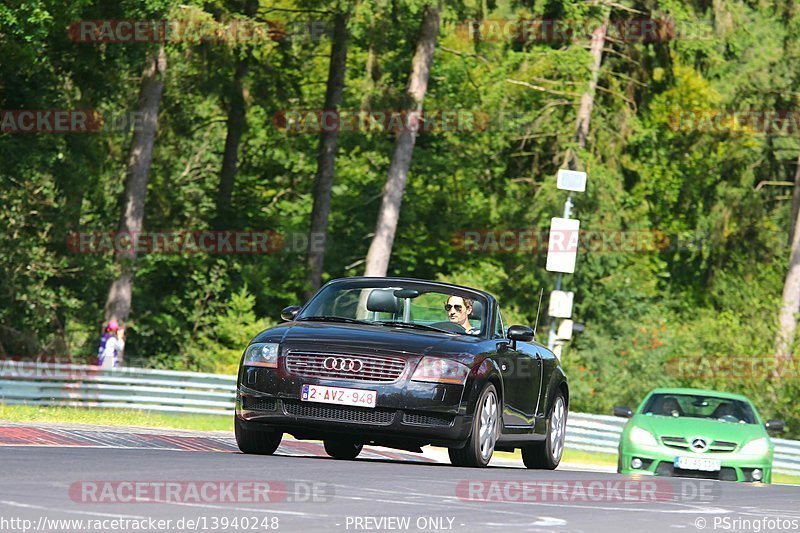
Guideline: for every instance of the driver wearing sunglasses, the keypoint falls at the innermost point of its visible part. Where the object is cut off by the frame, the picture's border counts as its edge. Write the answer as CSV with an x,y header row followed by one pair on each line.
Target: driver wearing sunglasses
x,y
458,310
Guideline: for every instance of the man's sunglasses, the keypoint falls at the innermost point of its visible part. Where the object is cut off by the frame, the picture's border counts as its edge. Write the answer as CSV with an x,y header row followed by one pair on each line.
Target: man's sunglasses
x,y
448,307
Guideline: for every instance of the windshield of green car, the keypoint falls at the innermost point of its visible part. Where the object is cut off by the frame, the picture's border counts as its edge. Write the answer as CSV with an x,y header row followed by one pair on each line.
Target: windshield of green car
x,y
700,406
407,305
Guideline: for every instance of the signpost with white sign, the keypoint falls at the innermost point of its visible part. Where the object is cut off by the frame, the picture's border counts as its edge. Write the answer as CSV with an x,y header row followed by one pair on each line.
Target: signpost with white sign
x,y
565,330
561,304
571,180
562,248
561,254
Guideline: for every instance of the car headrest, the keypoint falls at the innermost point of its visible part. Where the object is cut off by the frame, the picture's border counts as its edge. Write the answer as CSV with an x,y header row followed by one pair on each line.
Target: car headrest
x,y
477,310
724,409
383,301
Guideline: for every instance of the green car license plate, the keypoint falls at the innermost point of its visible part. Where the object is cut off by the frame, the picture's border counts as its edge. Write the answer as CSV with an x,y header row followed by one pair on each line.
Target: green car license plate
x,y
697,463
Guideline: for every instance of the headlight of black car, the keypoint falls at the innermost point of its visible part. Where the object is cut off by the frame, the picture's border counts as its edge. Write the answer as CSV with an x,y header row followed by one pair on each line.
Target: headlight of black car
x,y
437,370
262,354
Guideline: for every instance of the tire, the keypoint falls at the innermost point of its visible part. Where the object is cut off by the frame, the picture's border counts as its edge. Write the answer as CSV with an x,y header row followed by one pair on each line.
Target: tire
x,y
342,449
256,442
485,429
547,453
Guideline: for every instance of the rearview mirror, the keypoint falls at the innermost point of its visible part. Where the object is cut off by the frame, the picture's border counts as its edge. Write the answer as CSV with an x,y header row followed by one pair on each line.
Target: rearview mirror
x,y
520,333
775,425
290,313
624,412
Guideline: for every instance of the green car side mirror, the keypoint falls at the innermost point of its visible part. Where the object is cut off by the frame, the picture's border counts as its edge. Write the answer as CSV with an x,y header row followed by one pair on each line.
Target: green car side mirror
x,y
624,412
775,425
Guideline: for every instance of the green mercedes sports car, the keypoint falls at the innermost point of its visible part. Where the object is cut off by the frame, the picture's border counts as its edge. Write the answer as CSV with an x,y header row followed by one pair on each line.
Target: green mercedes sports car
x,y
697,433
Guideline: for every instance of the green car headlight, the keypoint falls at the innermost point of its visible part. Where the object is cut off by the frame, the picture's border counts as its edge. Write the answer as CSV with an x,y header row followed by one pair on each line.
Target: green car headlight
x,y
642,437
756,447
262,354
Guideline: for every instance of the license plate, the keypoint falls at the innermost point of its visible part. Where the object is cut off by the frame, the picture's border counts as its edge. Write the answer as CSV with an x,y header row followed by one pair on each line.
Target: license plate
x,y
697,463
339,395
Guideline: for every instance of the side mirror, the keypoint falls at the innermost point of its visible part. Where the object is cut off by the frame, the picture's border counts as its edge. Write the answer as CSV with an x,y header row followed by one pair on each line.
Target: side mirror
x,y
290,313
775,425
520,333
624,412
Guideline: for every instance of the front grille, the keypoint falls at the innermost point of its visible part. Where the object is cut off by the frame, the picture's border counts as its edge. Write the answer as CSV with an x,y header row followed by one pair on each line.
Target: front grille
x,y
427,419
341,413
258,404
373,368
675,442
722,446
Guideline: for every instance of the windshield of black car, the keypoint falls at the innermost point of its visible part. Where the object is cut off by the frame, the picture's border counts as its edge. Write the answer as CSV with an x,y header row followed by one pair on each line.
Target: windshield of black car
x,y
431,308
700,406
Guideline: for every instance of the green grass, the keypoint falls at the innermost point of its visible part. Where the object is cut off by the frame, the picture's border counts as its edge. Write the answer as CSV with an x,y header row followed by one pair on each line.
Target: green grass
x,y
113,417
573,456
784,478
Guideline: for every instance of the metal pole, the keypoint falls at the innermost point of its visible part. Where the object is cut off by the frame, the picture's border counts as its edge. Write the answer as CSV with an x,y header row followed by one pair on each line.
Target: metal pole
x,y
551,338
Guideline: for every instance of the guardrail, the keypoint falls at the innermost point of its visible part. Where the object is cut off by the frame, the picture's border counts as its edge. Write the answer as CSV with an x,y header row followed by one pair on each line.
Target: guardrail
x,y
119,388
192,392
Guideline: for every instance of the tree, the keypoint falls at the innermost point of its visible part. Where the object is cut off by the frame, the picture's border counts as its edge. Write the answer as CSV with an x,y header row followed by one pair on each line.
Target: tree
x,y
118,303
380,249
587,98
790,298
326,157
236,123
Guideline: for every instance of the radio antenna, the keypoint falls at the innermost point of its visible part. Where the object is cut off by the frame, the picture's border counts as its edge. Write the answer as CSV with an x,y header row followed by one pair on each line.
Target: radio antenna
x,y
539,308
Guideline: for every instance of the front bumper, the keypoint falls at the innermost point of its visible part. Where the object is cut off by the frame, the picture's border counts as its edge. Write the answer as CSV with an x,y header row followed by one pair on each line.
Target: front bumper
x,y
660,462
407,414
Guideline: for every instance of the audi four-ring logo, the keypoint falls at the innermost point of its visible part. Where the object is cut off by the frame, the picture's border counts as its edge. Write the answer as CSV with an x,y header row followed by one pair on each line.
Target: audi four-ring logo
x,y
342,364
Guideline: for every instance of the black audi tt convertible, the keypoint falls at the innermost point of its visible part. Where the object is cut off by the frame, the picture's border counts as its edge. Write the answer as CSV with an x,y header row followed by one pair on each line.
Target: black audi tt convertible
x,y
402,363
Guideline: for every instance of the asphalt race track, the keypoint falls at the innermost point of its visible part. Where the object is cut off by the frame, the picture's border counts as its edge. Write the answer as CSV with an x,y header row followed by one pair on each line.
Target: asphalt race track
x,y
128,481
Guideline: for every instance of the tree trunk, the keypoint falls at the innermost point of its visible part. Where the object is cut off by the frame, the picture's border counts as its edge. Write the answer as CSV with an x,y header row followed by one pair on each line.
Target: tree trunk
x,y
230,159
236,125
326,157
787,321
118,303
587,98
795,204
380,249
372,74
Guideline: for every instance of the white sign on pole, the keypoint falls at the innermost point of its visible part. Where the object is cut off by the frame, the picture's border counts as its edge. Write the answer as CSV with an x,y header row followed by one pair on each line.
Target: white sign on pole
x,y
560,304
565,330
563,246
571,180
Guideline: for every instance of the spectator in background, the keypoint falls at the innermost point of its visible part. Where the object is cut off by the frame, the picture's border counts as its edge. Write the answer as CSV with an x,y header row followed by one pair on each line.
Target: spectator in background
x,y
112,343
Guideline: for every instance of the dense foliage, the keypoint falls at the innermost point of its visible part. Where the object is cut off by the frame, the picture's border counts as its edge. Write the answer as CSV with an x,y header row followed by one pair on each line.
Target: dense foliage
x,y
712,292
